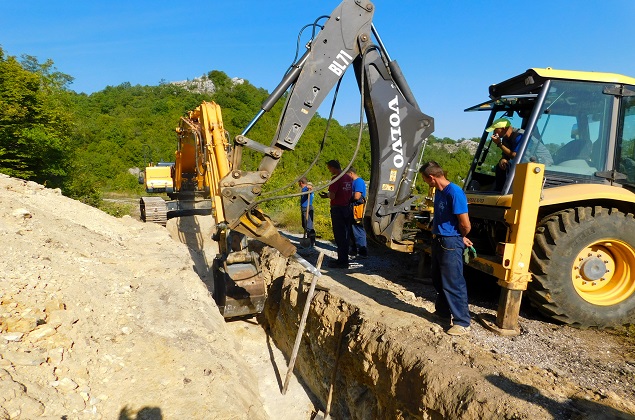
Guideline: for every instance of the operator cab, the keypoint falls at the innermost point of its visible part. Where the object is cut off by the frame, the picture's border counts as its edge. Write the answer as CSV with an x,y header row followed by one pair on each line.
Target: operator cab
x,y
580,125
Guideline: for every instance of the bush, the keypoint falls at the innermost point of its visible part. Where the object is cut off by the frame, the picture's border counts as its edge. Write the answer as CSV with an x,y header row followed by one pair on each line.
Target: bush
x,y
116,209
85,190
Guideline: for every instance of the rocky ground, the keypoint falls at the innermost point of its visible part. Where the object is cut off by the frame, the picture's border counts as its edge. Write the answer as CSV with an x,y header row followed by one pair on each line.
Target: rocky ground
x,y
111,318
108,318
549,370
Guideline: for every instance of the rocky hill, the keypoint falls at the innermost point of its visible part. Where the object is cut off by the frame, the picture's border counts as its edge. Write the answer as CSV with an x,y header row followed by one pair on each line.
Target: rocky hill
x,y
469,145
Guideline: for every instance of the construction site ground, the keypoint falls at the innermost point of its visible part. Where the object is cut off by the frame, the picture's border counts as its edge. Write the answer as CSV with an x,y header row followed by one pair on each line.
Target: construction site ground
x,y
103,317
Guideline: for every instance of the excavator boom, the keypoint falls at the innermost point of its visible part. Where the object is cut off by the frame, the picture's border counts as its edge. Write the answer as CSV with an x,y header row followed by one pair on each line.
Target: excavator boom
x,y
398,129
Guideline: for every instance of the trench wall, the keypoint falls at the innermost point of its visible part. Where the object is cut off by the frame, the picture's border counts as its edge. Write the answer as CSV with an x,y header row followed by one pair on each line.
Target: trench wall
x,y
395,364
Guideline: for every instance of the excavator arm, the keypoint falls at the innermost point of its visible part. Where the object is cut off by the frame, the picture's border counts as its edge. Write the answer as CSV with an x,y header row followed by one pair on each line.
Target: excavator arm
x,y
398,129
207,172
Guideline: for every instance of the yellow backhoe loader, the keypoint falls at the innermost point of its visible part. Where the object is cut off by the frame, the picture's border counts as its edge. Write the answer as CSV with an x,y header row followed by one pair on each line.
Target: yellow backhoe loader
x,y
559,221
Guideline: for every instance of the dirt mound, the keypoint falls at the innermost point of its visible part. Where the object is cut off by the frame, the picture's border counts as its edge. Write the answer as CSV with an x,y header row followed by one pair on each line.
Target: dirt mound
x,y
107,318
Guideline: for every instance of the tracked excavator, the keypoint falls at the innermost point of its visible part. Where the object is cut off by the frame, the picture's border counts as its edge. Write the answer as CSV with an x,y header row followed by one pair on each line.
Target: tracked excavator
x,y
208,177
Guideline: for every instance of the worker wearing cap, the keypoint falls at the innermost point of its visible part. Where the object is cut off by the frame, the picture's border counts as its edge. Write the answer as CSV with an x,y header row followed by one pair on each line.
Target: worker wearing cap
x,y
507,138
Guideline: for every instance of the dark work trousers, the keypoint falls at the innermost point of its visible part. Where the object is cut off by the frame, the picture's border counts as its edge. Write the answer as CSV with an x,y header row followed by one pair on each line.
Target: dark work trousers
x,y
448,280
307,224
341,219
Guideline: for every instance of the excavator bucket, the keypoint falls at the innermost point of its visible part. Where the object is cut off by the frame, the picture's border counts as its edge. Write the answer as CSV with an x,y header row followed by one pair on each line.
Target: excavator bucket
x,y
239,288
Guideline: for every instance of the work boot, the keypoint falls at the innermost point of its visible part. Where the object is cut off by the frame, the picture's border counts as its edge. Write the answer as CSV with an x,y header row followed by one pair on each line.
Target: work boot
x,y
458,330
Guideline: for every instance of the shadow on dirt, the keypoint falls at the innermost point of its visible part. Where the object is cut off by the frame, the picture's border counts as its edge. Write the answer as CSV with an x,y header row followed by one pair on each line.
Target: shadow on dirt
x,y
575,408
146,413
196,233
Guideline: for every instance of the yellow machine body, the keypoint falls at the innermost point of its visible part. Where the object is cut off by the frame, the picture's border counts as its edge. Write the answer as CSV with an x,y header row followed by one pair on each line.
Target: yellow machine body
x,y
560,223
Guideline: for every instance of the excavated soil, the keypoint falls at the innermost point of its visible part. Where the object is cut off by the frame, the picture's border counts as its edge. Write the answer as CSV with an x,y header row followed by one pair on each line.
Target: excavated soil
x,y
112,318
106,318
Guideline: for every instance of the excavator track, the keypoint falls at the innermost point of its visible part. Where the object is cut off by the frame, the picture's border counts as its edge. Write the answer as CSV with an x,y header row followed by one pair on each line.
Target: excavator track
x,y
153,210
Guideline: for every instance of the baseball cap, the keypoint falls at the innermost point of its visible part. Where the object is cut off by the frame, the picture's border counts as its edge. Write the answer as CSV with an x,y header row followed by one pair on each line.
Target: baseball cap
x,y
499,123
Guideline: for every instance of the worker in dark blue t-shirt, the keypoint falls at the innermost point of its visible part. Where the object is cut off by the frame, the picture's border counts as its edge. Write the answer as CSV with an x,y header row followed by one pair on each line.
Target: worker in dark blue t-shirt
x,y
507,138
450,226
358,203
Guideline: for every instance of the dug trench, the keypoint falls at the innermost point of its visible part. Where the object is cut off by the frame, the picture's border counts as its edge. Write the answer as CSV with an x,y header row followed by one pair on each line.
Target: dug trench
x,y
371,348
370,334
111,318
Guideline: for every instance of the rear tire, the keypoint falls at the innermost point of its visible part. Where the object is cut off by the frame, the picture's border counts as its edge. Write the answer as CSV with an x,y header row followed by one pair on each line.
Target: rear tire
x,y
583,262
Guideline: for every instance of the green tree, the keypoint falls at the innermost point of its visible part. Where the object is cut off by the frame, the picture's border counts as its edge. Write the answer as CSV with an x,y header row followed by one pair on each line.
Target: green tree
x,y
35,120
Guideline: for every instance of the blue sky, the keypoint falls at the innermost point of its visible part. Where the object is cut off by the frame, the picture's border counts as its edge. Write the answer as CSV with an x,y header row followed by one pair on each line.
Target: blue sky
x,y
450,51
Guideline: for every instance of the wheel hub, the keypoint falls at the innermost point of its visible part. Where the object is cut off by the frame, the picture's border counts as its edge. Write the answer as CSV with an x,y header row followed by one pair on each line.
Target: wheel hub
x,y
602,272
593,268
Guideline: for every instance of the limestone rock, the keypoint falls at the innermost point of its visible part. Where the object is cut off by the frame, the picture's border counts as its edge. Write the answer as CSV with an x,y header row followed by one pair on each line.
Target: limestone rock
x,y
27,358
41,332
65,385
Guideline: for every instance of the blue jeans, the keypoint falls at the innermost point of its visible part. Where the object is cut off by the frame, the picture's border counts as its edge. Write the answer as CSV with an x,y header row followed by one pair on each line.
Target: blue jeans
x,y
448,280
359,239
341,219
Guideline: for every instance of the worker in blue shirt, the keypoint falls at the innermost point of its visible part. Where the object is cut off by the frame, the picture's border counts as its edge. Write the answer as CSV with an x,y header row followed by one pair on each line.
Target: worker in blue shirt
x,y
306,200
450,227
358,203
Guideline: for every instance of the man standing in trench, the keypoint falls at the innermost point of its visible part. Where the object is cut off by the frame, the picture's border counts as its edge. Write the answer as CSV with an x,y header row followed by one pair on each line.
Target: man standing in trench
x,y
450,226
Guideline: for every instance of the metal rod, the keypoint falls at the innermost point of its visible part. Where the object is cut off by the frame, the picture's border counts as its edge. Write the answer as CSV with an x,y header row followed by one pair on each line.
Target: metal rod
x,y
253,122
304,263
305,313
381,45
338,351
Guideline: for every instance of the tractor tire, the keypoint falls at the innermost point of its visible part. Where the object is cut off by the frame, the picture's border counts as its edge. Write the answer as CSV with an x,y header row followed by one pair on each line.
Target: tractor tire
x,y
583,263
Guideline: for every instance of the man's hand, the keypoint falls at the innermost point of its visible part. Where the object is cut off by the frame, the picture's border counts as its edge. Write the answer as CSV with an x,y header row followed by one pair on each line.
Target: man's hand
x,y
323,194
467,242
503,164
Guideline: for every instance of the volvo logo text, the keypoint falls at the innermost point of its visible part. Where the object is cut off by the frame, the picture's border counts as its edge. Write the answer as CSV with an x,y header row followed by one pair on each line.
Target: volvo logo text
x,y
395,132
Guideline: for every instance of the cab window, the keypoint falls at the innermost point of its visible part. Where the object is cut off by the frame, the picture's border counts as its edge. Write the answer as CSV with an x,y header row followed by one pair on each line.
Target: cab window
x,y
625,151
572,131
